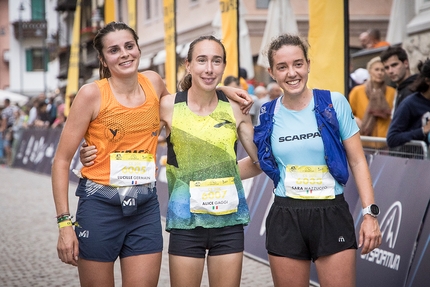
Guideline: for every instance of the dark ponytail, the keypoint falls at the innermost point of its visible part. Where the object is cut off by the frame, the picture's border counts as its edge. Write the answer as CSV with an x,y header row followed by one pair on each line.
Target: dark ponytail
x,y
420,84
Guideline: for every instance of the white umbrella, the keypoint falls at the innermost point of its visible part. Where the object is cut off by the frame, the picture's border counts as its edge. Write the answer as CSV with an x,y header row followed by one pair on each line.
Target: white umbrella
x,y
280,19
396,32
245,52
13,97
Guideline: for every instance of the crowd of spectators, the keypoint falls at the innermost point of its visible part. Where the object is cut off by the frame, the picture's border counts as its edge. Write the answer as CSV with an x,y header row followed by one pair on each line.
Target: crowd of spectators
x,y
407,95
39,112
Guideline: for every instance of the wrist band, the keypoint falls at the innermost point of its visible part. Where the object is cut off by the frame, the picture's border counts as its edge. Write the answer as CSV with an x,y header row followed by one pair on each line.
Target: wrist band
x,y
62,214
64,218
65,224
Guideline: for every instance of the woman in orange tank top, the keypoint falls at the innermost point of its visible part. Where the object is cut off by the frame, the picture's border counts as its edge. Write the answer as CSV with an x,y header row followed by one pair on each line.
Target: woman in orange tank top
x,y
118,213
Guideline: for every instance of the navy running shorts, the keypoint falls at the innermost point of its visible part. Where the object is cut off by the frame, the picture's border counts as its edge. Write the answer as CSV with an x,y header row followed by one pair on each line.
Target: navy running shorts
x,y
294,228
217,241
105,232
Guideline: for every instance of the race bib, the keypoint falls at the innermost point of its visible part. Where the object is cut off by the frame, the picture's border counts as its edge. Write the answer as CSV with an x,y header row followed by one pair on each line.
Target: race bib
x,y
214,196
131,169
309,182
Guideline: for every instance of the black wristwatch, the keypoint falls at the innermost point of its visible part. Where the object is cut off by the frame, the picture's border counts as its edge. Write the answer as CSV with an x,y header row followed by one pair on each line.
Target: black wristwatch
x,y
372,209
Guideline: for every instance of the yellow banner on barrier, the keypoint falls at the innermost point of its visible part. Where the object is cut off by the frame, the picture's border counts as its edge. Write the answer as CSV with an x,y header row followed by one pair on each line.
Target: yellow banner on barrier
x,y
170,44
109,11
230,35
132,14
327,45
73,70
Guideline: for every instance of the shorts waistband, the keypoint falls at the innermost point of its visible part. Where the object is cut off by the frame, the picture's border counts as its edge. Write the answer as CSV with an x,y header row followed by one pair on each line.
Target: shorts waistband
x,y
292,202
148,185
90,187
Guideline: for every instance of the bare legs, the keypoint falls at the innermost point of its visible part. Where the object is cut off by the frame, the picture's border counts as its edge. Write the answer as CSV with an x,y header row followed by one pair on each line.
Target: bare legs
x,y
140,270
333,270
224,270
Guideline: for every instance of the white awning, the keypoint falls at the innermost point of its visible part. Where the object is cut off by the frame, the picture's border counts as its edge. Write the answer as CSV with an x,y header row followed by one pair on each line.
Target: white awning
x,y
179,48
160,58
145,61
184,53
13,97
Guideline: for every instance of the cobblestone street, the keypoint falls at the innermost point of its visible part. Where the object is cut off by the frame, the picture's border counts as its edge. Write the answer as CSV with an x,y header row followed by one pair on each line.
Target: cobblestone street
x,y
28,236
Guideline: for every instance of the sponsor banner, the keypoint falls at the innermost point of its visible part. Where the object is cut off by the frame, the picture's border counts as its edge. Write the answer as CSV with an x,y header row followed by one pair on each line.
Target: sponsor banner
x,y
259,191
401,191
132,11
230,35
419,274
327,20
36,151
73,70
109,11
170,44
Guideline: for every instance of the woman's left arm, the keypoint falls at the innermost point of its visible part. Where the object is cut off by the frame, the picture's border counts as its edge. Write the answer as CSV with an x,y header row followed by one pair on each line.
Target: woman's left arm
x,y
370,233
157,82
239,96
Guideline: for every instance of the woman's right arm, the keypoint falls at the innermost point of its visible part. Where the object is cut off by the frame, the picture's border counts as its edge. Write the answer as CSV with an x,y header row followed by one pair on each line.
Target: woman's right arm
x,y
84,109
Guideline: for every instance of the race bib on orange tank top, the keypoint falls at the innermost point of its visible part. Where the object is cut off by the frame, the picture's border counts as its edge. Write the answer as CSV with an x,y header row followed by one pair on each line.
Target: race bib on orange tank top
x,y
131,169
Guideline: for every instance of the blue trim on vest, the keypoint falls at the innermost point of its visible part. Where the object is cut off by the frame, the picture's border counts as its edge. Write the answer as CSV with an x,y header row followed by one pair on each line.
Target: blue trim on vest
x,y
328,126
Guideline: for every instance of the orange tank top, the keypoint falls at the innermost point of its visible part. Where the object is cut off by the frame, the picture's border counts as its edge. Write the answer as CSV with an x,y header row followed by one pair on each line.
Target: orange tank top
x,y
119,129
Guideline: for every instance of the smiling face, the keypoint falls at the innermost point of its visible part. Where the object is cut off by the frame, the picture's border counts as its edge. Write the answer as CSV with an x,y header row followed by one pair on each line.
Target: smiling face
x,y
290,69
207,65
121,53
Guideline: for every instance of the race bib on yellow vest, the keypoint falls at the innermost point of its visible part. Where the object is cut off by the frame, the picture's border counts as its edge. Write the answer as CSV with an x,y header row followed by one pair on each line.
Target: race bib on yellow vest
x,y
214,196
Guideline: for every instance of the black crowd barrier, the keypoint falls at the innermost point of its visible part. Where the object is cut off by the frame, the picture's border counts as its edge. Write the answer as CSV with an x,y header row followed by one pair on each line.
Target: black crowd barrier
x,y
402,191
